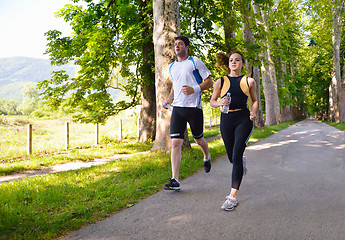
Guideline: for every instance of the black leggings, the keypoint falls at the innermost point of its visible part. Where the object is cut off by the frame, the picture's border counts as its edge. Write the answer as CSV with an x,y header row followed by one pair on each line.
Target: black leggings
x,y
236,128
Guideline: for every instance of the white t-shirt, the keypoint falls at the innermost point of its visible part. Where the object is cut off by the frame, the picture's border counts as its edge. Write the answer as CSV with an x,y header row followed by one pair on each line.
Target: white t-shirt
x,y
182,74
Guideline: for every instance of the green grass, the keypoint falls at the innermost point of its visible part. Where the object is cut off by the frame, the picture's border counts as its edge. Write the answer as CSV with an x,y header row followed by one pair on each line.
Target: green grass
x,y
48,143
340,126
50,206
260,133
49,135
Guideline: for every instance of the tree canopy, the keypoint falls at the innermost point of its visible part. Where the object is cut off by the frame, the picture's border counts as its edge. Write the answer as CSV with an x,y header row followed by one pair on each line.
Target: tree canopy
x,y
109,37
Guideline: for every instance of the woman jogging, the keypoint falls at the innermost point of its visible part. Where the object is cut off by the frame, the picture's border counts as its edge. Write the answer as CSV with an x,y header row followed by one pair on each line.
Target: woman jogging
x,y
236,124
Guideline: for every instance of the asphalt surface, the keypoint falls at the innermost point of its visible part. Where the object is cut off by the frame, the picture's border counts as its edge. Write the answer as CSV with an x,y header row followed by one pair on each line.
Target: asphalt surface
x,y
294,189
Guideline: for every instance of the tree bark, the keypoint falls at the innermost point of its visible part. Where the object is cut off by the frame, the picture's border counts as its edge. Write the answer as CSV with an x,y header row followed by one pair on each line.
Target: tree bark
x,y
147,123
252,71
269,81
166,27
229,31
336,92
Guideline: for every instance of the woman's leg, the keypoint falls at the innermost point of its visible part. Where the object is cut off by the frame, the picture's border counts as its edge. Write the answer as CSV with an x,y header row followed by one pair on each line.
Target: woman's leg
x,y
242,133
227,132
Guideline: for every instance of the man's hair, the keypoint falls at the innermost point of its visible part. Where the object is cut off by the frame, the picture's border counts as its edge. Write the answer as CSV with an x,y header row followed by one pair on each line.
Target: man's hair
x,y
184,39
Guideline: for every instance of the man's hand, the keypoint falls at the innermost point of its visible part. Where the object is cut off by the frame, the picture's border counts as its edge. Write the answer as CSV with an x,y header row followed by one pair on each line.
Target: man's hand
x,y
187,90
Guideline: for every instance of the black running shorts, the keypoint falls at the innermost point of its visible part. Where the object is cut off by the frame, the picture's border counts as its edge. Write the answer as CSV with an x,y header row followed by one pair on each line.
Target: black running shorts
x,y
179,118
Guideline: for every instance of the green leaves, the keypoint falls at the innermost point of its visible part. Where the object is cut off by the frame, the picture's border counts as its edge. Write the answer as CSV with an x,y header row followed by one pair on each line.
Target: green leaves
x,y
106,44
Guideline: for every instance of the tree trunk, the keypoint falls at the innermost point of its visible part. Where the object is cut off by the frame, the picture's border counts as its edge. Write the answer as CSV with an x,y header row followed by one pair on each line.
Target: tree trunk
x,y
286,110
336,92
269,81
229,31
274,86
268,93
166,27
147,123
252,71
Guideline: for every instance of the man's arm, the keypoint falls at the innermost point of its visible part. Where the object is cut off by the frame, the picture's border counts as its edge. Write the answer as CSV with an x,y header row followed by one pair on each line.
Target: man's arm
x,y
206,84
170,98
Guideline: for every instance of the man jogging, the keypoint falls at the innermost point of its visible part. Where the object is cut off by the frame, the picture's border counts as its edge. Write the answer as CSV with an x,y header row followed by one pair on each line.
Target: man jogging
x,y
190,77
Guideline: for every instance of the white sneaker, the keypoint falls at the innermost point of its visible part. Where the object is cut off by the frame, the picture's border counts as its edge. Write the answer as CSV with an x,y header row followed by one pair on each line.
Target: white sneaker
x,y
230,203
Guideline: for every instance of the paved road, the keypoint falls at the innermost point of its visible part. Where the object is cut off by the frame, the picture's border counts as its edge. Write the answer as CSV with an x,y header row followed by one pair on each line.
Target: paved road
x,y
294,189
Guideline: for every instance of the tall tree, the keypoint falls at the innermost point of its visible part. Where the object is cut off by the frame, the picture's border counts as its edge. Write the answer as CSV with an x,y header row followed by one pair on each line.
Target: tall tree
x,y
326,30
317,66
269,81
285,28
336,92
252,60
166,27
112,44
30,99
147,129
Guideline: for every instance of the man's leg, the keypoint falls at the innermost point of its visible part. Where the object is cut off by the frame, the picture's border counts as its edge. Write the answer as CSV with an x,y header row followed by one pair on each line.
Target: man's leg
x,y
204,147
176,148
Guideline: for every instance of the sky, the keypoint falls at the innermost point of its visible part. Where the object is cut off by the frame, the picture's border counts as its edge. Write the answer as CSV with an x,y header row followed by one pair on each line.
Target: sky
x,y
23,24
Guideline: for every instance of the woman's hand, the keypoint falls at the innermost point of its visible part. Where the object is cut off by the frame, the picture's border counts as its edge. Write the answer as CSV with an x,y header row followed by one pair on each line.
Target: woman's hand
x,y
252,116
224,101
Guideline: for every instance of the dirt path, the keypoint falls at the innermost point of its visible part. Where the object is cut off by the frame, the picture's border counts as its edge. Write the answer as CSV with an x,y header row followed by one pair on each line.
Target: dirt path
x,y
72,166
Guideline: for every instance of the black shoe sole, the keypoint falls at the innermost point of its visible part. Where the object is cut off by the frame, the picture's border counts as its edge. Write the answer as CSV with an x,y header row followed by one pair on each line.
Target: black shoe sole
x,y
171,188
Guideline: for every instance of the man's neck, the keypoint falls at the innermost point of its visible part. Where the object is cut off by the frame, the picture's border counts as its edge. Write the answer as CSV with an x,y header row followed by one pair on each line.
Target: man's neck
x,y
182,58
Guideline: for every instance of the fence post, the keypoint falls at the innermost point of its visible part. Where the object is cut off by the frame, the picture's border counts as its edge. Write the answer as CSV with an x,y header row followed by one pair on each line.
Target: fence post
x,y
120,129
67,136
97,134
29,139
138,127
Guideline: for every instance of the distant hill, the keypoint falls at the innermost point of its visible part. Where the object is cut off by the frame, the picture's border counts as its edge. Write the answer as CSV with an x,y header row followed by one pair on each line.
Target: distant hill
x,y
16,71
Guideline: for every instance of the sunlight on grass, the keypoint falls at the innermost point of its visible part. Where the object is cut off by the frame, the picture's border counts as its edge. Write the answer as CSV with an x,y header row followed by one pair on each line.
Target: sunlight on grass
x,y
49,135
50,206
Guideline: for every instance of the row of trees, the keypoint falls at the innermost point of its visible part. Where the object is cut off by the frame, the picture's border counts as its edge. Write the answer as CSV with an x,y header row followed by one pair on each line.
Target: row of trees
x,y
29,103
128,46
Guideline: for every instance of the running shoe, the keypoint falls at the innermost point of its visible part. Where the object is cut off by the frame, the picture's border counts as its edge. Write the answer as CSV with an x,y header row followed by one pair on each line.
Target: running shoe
x,y
230,203
172,185
245,169
207,165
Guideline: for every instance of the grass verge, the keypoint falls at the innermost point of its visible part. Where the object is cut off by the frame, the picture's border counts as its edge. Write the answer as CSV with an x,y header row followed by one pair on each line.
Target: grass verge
x,y
86,153
53,205
340,126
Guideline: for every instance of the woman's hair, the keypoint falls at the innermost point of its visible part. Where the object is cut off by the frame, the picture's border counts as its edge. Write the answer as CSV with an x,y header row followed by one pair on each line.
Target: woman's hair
x,y
223,60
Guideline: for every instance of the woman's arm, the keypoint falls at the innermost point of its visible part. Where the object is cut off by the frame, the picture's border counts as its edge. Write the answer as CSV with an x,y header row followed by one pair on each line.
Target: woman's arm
x,y
215,94
252,92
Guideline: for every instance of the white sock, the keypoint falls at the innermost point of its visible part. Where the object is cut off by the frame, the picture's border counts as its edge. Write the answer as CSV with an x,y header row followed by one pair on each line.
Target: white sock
x,y
209,158
176,180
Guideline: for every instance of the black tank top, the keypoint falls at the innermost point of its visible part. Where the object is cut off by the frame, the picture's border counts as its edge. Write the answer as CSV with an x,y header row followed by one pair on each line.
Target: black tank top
x,y
238,97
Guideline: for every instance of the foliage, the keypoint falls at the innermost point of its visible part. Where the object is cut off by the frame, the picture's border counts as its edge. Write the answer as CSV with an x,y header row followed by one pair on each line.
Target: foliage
x,y
105,44
8,107
30,99
286,40
316,66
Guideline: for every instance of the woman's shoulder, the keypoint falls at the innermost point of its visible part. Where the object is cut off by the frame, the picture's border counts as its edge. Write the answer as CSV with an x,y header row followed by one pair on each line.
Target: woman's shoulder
x,y
251,81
